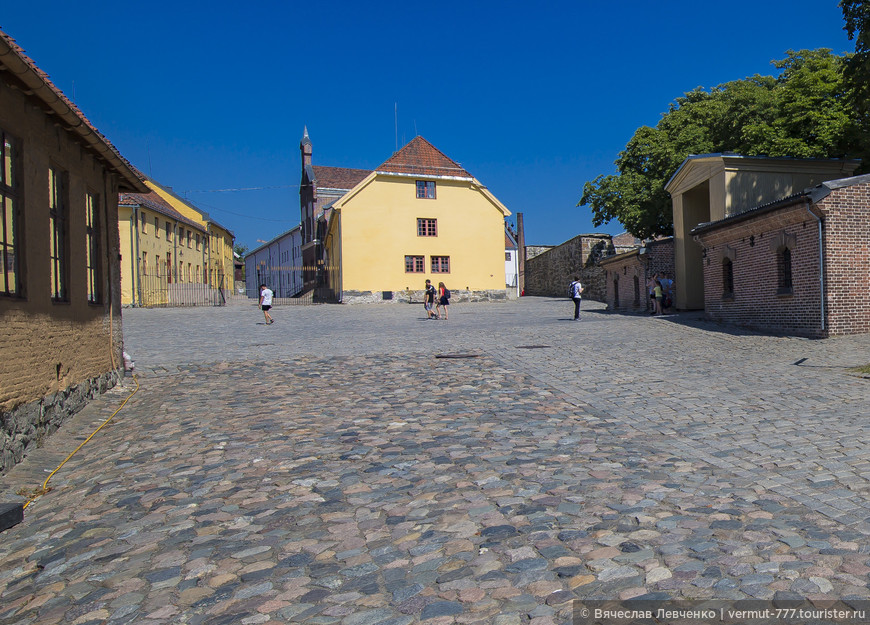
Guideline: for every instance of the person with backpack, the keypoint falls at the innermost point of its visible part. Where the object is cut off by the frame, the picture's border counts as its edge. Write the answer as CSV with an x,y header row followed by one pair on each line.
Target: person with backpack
x,y
574,291
443,300
429,300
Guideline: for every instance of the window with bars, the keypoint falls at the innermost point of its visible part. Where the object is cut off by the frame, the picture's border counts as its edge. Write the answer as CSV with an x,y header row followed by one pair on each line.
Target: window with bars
x,y
426,189
92,246
783,265
414,264
10,274
727,278
440,264
427,227
58,252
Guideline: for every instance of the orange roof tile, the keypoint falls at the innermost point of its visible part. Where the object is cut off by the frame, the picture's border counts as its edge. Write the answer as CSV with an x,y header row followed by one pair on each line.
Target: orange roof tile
x,y
421,158
338,177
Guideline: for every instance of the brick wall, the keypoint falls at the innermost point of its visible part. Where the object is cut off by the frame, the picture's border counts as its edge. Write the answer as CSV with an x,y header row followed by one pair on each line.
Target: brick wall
x,y
626,284
621,272
752,246
549,273
847,259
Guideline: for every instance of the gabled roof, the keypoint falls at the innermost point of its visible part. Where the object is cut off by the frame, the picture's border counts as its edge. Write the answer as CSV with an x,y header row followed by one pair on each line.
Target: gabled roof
x,y
341,178
22,71
152,201
421,158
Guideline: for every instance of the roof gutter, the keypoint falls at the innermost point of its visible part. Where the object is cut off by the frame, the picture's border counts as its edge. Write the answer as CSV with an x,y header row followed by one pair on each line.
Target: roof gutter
x,y
38,86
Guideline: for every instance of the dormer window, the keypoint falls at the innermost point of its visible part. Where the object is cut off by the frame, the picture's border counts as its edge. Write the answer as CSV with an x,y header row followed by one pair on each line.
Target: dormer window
x,y
426,189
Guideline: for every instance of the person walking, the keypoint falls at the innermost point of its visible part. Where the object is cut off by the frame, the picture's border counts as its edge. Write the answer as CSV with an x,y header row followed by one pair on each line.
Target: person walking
x,y
429,300
574,290
266,303
443,300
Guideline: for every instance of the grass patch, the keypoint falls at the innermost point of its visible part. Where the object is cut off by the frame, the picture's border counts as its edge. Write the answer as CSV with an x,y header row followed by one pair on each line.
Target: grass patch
x,y
863,370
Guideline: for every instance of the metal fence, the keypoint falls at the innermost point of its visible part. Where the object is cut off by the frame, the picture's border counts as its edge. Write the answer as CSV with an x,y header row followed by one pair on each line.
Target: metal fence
x,y
166,290
317,295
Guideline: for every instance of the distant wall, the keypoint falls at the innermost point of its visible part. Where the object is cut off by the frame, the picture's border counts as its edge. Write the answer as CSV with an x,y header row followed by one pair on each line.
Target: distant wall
x,y
550,272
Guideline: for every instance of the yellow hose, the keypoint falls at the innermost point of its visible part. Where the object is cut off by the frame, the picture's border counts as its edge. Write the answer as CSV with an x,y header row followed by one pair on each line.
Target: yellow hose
x,y
44,489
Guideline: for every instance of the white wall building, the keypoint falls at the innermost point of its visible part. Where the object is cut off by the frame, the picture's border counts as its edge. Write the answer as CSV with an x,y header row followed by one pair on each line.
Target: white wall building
x,y
277,264
511,263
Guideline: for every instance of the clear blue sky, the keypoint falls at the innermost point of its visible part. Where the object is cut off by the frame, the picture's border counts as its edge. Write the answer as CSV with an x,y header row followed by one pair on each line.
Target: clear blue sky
x,y
533,99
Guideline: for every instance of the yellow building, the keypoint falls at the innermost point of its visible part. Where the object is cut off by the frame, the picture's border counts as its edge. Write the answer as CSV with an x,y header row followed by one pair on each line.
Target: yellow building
x,y
419,215
219,252
164,254
61,338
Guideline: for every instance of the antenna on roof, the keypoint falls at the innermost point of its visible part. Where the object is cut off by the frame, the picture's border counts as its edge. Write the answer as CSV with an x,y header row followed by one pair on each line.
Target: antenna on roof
x,y
397,126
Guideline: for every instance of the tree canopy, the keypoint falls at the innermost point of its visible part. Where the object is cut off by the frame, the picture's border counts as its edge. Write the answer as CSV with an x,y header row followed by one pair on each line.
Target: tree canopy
x,y
803,112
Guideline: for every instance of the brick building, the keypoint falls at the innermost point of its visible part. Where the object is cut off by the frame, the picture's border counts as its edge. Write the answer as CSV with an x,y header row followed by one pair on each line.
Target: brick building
x,y
799,265
60,298
626,274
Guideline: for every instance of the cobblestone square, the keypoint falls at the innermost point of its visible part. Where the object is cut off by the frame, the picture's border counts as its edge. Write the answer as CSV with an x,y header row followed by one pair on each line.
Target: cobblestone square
x,y
361,465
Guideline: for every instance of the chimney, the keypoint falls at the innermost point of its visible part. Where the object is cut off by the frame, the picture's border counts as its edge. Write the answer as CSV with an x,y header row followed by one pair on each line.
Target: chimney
x,y
521,244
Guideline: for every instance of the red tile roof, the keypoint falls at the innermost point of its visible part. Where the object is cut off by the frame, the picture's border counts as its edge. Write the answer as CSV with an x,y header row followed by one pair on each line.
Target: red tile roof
x,y
419,157
153,201
338,177
37,82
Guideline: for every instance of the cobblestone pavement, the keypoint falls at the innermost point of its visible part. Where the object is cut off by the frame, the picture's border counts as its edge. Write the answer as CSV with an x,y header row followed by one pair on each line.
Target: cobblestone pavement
x,y
332,468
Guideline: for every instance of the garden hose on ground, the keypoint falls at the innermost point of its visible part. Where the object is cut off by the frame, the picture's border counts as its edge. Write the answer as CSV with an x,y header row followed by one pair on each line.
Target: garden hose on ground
x,y
44,488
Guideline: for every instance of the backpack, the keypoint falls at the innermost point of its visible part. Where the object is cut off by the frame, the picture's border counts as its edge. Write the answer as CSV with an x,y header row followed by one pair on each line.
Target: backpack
x,y
446,292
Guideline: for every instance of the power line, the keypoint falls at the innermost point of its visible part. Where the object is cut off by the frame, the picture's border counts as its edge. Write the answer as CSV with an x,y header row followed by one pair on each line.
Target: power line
x,y
248,216
282,186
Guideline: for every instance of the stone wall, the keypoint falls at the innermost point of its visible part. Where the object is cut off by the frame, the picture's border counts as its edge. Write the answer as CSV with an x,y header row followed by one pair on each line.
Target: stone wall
x,y
536,250
27,426
549,273
416,296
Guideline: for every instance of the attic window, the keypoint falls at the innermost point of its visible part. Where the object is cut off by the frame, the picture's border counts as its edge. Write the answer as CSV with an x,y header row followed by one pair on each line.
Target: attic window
x,y
426,189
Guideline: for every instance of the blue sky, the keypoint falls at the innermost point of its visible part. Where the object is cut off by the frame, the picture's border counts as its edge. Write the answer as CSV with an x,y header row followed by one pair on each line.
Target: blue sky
x,y
533,99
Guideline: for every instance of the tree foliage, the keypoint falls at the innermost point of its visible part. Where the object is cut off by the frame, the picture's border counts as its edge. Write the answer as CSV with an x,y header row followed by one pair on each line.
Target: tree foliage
x,y
856,14
803,112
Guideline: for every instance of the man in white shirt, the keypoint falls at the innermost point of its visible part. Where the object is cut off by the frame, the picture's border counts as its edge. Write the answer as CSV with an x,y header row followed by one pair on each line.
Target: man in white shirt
x,y
575,289
266,302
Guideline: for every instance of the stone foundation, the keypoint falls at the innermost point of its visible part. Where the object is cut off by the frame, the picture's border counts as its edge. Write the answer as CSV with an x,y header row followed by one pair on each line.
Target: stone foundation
x,y
416,297
27,426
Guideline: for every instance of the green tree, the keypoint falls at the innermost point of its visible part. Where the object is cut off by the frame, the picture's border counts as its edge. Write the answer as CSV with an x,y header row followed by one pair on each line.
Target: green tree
x,y
241,249
856,14
804,112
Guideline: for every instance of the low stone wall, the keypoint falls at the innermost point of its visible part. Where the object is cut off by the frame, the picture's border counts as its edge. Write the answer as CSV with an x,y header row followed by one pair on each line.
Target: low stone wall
x,y
28,425
416,297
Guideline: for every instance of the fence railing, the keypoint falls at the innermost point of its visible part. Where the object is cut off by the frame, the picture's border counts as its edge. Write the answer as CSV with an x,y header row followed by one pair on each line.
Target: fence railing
x,y
318,295
163,290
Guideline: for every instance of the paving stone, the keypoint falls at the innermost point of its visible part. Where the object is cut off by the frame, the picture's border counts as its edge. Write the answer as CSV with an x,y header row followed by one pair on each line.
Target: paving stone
x,y
322,477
